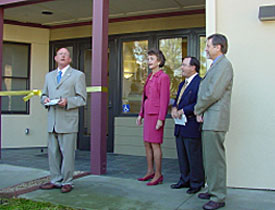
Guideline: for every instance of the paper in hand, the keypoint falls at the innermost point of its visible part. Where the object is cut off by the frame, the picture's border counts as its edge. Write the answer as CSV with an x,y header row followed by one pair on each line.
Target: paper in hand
x,y
181,121
52,102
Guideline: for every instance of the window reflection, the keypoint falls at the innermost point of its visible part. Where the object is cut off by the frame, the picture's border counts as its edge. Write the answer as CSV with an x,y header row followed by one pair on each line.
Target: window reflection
x,y
135,72
203,56
174,49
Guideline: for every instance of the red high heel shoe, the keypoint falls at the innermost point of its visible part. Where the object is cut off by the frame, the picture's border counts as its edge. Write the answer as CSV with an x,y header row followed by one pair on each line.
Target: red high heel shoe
x,y
158,181
146,178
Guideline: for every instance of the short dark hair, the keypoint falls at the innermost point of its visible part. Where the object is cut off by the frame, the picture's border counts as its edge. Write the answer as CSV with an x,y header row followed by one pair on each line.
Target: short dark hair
x,y
159,56
194,62
219,39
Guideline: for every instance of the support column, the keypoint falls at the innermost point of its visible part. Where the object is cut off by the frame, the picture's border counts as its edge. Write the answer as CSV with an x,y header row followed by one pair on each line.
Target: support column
x,y
1,56
99,79
211,17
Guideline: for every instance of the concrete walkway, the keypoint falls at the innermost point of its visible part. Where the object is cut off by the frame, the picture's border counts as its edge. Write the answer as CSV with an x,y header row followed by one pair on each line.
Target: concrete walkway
x,y
13,175
99,192
114,192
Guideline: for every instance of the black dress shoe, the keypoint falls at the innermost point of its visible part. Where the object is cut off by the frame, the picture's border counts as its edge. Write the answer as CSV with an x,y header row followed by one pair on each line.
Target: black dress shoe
x,y
212,205
204,196
179,185
193,190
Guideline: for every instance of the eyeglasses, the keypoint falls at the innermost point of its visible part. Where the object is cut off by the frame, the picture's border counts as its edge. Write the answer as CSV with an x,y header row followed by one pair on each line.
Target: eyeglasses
x,y
65,53
185,64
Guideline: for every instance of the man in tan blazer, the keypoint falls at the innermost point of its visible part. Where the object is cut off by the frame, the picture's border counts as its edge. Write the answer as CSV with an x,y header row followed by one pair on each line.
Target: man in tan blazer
x,y
213,110
63,93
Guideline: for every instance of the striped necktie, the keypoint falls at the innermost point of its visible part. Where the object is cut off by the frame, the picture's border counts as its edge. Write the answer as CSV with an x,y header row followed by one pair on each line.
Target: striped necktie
x,y
59,75
182,91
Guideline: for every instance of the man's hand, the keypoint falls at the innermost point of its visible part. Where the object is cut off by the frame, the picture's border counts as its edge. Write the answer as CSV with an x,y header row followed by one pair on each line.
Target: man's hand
x,y
159,124
62,102
199,118
139,121
180,113
174,112
46,100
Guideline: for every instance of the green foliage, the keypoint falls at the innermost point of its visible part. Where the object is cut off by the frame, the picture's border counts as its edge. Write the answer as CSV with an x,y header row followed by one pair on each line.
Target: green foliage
x,y
24,204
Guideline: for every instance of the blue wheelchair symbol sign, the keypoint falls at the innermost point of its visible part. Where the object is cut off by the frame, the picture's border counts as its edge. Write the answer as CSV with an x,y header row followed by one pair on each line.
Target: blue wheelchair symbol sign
x,y
126,107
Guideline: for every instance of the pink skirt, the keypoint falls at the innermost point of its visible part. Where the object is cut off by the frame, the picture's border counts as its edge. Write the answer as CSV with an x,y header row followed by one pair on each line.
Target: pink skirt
x,y
150,134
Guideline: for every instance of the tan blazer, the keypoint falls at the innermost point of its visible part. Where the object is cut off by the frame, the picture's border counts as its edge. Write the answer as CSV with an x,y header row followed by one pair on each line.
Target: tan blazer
x,y
214,96
73,87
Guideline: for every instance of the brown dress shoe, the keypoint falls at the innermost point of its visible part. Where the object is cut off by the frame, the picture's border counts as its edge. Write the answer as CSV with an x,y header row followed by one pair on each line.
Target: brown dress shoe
x,y
66,188
48,186
212,205
204,196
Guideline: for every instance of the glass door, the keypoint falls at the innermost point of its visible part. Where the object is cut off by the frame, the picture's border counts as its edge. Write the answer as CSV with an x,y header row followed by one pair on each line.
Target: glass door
x,y
134,74
85,112
85,61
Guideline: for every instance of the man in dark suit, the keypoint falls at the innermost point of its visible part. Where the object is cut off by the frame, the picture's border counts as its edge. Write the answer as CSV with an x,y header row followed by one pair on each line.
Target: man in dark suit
x,y
213,109
63,93
188,136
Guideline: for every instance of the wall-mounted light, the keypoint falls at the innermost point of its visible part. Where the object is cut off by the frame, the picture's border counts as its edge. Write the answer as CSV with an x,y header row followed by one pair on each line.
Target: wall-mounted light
x,y
267,13
27,131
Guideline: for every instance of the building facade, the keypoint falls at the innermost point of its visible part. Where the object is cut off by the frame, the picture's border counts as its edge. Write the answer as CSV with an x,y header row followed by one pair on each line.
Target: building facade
x,y
249,142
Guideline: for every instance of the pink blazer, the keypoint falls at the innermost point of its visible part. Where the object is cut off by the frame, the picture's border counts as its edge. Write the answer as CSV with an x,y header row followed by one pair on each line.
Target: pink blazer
x,y
159,96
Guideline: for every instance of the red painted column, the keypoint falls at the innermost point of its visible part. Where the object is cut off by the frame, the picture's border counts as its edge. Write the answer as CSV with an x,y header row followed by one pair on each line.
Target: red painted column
x,y
99,78
1,56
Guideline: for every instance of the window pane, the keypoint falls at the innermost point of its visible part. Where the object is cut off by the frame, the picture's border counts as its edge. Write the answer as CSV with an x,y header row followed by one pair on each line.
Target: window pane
x,y
174,49
135,72
15,60
14,103
202,56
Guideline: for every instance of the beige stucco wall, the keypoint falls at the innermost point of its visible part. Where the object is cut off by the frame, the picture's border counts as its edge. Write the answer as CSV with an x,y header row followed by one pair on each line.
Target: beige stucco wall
x,y
154,24
129,138
250,141
13,126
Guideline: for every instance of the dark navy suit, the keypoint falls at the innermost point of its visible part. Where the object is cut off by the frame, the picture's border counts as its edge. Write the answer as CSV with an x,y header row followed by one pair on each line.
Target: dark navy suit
x,y
188,138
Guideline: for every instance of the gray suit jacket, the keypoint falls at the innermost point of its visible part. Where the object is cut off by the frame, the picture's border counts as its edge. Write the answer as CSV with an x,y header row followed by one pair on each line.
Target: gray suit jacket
x,y
214,96
73,87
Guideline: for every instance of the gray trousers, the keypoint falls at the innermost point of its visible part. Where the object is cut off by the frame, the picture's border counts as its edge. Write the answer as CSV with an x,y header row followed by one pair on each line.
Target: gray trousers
x,y
214,163
61,153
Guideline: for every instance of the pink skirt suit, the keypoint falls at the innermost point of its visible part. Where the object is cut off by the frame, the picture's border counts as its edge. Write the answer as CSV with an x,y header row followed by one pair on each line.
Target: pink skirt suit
x,y
154,106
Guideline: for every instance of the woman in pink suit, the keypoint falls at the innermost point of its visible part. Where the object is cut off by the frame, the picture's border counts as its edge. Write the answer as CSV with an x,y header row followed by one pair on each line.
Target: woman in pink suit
x,y
154,108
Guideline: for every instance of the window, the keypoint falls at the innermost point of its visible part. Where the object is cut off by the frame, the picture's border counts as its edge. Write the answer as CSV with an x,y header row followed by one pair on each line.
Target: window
x,y
15,74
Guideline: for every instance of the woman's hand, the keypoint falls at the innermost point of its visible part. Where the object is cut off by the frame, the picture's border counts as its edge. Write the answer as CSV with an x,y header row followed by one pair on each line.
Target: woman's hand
x,y
139,121
159,124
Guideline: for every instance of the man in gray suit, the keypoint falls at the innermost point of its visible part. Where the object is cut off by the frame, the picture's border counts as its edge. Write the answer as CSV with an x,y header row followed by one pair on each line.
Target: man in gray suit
x,y
213,110
63,93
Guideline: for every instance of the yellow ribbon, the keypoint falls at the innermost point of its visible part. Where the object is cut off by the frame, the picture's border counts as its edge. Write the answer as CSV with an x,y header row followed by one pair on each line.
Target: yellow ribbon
x,y
30,93
96,89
